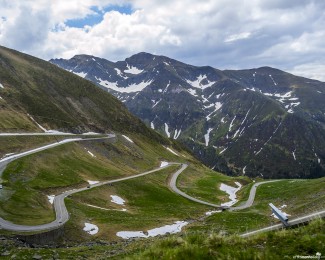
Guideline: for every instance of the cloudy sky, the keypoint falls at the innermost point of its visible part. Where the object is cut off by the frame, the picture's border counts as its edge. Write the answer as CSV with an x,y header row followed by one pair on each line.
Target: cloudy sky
x,y
226,34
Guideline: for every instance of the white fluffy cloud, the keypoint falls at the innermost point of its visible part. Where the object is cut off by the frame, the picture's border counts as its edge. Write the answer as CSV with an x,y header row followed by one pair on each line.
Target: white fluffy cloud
x,y
225,33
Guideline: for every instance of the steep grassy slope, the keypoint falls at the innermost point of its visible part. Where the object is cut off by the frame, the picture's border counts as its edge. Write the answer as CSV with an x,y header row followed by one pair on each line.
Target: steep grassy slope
x,y
17,144
304,241
150,205
27,181
57,99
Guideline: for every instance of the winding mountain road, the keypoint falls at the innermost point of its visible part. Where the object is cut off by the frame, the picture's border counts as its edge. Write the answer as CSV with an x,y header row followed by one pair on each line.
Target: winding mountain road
x,y
61,212
62,215
246,204
173,186
251,197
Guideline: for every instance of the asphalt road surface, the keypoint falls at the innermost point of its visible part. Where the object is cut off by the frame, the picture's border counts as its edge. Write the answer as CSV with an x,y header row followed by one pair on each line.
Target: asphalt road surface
x,y
251,197
62,215
247,204
6,160
173,186
61,212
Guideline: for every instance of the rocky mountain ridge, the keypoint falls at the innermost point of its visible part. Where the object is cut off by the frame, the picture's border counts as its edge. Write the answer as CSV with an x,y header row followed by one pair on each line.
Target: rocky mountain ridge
x,y
256,122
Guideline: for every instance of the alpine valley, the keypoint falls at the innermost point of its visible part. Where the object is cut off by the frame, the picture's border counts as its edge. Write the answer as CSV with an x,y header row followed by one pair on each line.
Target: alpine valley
x,y
83,178
255,122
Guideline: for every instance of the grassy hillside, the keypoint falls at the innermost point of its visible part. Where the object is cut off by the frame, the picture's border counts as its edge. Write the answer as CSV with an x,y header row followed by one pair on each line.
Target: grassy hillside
x,y
28,180
300,197
57,99
286,244
305,241
60,100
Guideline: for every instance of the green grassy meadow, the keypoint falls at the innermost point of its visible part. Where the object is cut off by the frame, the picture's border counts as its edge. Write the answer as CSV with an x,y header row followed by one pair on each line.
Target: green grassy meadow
x,y
149,203
28,180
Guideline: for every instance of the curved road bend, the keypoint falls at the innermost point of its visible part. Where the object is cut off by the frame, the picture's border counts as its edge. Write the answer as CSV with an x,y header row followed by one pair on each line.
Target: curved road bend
x,y
173,186
251,197
61,212
247,204
6,160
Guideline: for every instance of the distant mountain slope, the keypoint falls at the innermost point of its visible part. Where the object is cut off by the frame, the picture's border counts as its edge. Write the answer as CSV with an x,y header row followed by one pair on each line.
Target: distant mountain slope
x,y
34,91
258,122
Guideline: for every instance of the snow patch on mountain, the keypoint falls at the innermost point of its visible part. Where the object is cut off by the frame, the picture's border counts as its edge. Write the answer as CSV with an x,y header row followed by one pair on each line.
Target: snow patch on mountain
x,y
1,86
152,125
231,191
167,130
133,70
251,89
208,106
51,198
285,99
207,136
168,229
275,84
217,106
245,117
128,138
177,133
129,89
117,200
80,74
91,229
165,90
192,92
119,73
256,153
163,164
155,103
318,159
237,132
41,127
170,150
91,154
232,123
198,82
223,150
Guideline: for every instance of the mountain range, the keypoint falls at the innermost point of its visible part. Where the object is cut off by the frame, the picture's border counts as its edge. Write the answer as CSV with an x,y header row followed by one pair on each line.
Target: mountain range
x,y
255,122
220,115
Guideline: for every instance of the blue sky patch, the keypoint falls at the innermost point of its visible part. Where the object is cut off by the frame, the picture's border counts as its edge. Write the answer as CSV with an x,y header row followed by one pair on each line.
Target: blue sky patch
x,y
98,16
